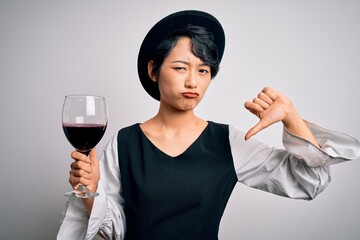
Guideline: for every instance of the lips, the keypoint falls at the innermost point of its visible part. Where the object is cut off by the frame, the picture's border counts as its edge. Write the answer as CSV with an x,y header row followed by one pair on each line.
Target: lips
x,y
190,94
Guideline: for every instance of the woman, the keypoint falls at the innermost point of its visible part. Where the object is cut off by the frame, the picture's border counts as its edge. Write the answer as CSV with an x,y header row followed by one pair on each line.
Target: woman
x,y
171,176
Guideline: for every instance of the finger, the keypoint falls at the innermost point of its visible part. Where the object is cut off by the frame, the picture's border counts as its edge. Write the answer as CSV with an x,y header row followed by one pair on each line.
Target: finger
x,y
271,93
77,156
79,173
264,105
79,165
265,98
76,181
93,158
254,108
254,130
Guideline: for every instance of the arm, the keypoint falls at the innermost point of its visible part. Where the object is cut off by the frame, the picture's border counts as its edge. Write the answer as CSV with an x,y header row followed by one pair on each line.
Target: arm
x,y
106,213
301,171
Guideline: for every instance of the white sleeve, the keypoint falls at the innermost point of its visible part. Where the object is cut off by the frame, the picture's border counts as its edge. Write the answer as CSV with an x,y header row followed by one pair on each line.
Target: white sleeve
x,y
107,215
301,171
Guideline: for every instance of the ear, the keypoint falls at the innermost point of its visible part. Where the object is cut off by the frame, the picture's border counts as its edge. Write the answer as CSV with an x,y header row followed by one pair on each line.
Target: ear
x,y
151,66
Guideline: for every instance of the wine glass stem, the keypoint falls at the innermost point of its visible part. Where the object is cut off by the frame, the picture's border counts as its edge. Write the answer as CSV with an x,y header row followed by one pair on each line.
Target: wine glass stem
x,y
83,188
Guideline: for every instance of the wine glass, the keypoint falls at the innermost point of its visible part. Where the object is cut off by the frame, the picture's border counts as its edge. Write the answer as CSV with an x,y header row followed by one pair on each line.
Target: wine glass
x,y
84,121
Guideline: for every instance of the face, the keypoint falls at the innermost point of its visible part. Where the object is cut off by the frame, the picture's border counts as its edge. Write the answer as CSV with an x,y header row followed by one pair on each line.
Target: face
x,y
183,78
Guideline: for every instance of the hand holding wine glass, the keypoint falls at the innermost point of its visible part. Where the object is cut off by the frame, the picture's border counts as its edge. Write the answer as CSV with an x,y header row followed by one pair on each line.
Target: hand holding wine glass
x,y
85,170
84,120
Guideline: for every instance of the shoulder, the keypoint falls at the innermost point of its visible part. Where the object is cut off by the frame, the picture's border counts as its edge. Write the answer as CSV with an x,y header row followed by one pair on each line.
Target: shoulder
x,y
218,126
128,129
126,132
218,130
229,129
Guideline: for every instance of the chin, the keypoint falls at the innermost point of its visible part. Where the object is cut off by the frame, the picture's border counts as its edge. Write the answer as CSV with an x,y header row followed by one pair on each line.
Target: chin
x,y
188,106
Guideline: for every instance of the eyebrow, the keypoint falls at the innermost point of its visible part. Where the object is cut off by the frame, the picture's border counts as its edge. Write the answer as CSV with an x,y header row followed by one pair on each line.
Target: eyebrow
x,y
187,63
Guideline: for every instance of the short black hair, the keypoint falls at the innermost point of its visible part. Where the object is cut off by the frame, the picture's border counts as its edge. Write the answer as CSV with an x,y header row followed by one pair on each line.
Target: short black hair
x,y
203,47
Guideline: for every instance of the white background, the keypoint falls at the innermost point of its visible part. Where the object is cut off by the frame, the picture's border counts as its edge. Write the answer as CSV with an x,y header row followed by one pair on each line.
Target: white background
x,y
308,50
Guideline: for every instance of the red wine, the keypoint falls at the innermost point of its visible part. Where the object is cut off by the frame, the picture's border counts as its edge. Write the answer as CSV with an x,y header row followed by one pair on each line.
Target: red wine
x,y
84,136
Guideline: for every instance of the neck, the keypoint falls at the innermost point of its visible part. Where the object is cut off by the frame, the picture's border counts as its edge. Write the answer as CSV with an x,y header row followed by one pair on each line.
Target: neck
x,y
175,119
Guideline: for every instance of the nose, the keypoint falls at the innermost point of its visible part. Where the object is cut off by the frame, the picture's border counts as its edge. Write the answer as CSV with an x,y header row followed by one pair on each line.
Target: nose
x,y
191,81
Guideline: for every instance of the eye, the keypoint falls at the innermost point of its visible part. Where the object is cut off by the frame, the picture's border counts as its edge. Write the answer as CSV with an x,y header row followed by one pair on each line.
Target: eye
x,y
204,71
180,68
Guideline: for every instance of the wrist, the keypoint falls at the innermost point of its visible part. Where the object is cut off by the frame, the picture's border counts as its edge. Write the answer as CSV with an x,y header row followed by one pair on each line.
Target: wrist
x,y
292,119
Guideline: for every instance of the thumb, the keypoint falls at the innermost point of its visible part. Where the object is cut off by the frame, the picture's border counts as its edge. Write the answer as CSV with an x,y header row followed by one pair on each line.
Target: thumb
x,y
254,130
93,157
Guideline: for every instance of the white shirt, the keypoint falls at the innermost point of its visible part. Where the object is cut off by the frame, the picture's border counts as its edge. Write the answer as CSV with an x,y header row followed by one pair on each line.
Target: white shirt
x,y
301,171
